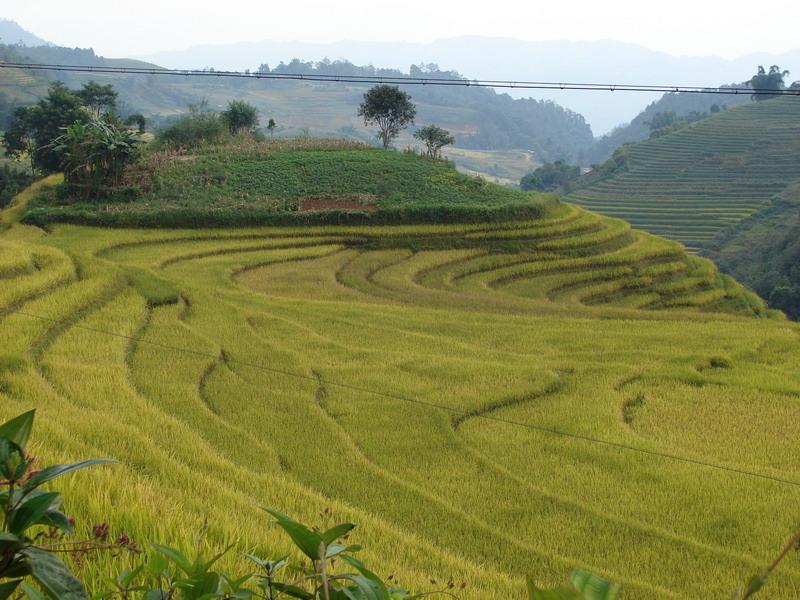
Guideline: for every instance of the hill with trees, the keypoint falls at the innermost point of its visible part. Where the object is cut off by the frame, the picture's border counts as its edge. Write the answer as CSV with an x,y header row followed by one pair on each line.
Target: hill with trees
x,y
694,183
479,118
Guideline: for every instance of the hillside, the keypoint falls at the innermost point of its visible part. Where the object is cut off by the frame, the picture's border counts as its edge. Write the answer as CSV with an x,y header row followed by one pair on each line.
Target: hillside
x,y
763,251
680,104
487,57
354,368
694,183
294,182
480,118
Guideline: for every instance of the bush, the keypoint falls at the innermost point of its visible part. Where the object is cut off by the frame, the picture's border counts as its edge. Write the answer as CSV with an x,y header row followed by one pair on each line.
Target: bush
x,y
192,130
12,181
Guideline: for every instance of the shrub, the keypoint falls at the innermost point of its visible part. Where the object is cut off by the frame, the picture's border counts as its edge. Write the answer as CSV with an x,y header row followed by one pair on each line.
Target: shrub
x,y
11,182
192,130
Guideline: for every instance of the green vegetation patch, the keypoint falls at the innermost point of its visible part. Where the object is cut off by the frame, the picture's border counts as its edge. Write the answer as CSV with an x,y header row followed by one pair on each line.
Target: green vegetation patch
x,y
156,290
275,183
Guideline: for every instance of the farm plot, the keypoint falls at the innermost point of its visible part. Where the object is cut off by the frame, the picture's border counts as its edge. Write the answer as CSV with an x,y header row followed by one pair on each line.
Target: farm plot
x,y
692,184
355,368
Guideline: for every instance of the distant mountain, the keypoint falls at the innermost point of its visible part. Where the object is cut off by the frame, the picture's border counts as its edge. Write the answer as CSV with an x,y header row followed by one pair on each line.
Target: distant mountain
x,y
12,33
499,58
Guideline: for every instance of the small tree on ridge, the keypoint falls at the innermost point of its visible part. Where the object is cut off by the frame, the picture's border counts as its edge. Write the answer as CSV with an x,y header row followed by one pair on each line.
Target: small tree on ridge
x,y
240,117
435,138
390,109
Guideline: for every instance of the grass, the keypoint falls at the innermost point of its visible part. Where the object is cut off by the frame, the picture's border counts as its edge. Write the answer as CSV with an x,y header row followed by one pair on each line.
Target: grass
x,y
296,182
570,322
694,184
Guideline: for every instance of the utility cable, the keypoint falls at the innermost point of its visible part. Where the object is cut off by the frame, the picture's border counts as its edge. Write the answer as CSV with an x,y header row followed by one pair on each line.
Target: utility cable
x,y
403,80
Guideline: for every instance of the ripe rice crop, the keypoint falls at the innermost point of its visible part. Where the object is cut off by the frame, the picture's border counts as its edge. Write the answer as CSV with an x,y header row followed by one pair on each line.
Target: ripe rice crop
x,y
238,368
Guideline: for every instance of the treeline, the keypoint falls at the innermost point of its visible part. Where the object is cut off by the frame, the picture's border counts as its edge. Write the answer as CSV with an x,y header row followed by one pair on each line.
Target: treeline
x,y
547,128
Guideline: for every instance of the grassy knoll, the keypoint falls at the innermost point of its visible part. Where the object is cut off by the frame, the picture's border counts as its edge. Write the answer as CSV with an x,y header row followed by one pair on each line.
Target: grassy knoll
x,y
301,182
570,322
693,184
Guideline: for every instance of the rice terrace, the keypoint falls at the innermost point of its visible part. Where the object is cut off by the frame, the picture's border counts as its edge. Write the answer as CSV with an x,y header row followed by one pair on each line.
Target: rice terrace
x,y
353,367
289,334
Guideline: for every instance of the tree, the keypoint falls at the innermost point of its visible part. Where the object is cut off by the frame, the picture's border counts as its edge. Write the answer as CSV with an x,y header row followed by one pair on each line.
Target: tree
x,y
138,120
200,126
550,176
97,98
435,138
767,81
33,128
390,109
271,126
240,117
662,119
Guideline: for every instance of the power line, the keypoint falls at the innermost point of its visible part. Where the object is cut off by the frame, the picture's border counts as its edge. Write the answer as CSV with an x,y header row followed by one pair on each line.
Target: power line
x,y
402,80
426,403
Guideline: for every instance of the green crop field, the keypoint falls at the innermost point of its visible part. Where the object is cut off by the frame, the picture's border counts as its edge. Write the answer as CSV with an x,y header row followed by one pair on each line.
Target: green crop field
x,y
693,184
295,181
486,400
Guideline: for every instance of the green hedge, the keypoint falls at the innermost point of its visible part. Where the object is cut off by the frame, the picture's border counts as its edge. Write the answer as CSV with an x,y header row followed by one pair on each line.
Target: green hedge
x,y
199,217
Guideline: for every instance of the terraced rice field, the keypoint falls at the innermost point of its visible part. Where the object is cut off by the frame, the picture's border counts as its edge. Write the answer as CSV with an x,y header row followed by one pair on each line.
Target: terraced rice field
x,y
694,183
418,380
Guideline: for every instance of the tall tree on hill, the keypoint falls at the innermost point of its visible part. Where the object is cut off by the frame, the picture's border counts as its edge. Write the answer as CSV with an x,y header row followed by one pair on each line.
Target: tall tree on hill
x,y
240,117
390,109
771,80
33,128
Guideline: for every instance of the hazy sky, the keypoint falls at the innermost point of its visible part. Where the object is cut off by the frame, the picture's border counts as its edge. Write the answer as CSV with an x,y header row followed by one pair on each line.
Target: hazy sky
x,y
679,27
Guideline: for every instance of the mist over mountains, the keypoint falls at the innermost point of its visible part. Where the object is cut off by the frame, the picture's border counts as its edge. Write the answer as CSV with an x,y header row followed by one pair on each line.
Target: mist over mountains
x,y
500,58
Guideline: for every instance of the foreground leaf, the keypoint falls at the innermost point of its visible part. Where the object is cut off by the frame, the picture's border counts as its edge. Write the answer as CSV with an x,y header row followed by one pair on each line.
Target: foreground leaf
x,y
292,590
308,541
334,533
18,429
32,593
31,512
53,575
594,587
50,473
176,556
8,588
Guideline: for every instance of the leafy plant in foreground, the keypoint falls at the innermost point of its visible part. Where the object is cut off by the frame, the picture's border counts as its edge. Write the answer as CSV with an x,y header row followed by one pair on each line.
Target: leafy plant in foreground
x,y
323,548
25,507
583,586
